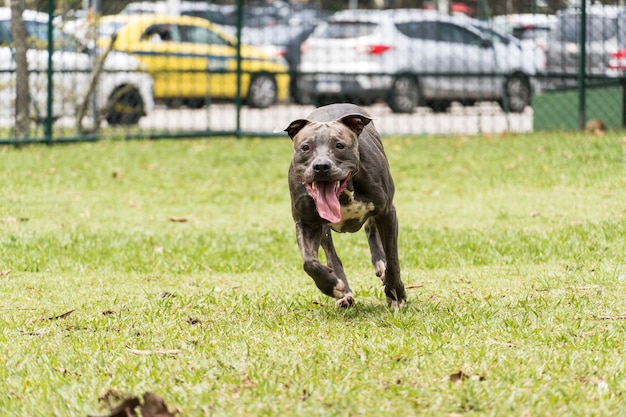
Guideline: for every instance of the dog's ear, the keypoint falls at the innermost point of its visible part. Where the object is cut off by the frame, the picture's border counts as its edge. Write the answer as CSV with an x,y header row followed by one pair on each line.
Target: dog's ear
x,y
356,122
296,126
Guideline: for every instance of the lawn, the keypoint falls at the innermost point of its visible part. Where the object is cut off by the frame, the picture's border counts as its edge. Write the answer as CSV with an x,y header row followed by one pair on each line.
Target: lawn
x,y
172,267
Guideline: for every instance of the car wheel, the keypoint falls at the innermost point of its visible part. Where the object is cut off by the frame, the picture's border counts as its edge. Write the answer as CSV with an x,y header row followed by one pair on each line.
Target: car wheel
x,y
195,103
125,106
404,95
440,106
517,89
262,91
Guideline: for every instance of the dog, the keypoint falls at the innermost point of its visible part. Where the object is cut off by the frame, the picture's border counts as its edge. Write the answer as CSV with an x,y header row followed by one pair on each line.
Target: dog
x,y
339,180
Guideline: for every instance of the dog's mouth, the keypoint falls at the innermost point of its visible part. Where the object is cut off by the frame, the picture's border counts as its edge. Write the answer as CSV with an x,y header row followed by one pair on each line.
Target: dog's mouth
x,y
326,195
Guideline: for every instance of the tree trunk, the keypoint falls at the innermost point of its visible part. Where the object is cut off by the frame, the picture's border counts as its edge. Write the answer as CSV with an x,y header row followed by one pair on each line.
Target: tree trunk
x,y
22,94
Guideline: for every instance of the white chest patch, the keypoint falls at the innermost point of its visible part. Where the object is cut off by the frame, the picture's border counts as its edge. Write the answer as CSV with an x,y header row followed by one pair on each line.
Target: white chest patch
x,y
355,210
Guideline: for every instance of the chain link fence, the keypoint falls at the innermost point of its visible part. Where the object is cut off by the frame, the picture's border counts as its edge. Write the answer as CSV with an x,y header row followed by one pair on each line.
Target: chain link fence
x,y
86,70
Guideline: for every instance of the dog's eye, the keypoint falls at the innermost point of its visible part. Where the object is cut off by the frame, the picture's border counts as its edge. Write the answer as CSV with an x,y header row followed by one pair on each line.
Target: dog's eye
x,y
304,148
340,145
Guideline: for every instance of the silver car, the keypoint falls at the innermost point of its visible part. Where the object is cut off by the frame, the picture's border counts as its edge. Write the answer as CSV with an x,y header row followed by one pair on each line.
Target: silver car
x,y
124,91
605,46
411,57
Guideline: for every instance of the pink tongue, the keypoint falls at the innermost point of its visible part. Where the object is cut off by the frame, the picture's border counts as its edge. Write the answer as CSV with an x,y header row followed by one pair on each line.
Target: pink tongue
x,y
327,202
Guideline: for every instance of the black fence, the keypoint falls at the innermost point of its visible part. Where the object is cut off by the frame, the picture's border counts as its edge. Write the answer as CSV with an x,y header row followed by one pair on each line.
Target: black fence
x,y
195,68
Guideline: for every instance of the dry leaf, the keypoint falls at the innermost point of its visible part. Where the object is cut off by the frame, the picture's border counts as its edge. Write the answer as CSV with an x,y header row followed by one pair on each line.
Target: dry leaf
x,y
61,316
462,376
495,342
248,383
117,175
154,406
599,382
5,272
414,286
34,333
177,219
152,352
617,317
166,294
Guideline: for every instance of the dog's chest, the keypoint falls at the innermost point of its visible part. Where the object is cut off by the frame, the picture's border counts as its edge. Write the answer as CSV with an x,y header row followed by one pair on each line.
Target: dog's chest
x,y
353,213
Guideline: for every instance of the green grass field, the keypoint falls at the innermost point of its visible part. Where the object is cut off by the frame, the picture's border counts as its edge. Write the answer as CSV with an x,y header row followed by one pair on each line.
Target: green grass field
x,y
172,267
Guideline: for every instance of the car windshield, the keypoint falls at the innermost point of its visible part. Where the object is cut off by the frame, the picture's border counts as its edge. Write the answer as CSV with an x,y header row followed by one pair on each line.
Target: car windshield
x,y
108,29
344,30
495,36
599,28
38,36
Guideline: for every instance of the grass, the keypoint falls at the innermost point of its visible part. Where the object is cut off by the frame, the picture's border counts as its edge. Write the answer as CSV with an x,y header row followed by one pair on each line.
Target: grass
x,y
513,246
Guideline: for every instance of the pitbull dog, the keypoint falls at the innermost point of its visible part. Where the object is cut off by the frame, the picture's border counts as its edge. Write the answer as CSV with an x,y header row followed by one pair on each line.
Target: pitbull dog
x,y
339,180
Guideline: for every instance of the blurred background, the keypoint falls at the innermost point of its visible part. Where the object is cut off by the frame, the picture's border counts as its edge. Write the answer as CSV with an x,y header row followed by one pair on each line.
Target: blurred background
x,y
88,69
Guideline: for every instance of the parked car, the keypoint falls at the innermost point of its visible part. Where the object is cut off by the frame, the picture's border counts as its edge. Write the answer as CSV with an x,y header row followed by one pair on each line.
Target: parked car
x,y
285,41
527,27
193,61
531,52
123,92
410,58
216,13
605,46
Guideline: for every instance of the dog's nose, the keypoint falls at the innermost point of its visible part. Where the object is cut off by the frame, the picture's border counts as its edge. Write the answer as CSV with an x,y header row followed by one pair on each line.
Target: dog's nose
x,y
321,167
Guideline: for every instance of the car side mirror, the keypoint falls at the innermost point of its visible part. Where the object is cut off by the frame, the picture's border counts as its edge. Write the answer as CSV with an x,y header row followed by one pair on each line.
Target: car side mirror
x,y
486,43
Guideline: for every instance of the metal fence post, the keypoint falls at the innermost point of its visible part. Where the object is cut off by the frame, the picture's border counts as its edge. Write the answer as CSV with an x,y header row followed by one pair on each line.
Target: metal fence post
x,y
238,95
582,65
49,117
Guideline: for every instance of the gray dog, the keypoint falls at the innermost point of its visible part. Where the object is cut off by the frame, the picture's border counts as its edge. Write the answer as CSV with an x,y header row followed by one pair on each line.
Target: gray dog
x,y
339,180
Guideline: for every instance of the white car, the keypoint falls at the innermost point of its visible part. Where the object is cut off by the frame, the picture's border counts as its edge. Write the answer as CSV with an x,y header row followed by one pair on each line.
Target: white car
x,y
411,57
123,93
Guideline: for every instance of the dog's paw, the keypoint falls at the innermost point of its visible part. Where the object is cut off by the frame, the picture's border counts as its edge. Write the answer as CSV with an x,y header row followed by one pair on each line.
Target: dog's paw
x,y
379,268
346,301
394,304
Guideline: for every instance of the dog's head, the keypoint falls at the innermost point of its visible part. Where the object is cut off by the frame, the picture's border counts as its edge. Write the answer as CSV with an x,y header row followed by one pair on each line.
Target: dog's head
x,y
325,156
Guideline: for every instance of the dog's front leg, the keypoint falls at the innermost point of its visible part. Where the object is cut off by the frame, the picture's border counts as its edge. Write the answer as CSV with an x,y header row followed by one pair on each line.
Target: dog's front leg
x,y
309,238
376,248
387,226
333,261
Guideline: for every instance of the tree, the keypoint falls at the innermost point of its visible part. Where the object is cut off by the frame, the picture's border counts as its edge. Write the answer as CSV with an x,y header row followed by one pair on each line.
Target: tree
x,y
22,88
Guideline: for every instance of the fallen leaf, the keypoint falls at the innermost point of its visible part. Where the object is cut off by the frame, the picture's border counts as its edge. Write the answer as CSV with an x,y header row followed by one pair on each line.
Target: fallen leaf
x,y
414,286
617,317
495,342
599,382
61,316
152,352
34,333
66,372
166,294
15,219
535,213
462,376
177,219
125,409
587,288
248,383
154,406
5,272
117,175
